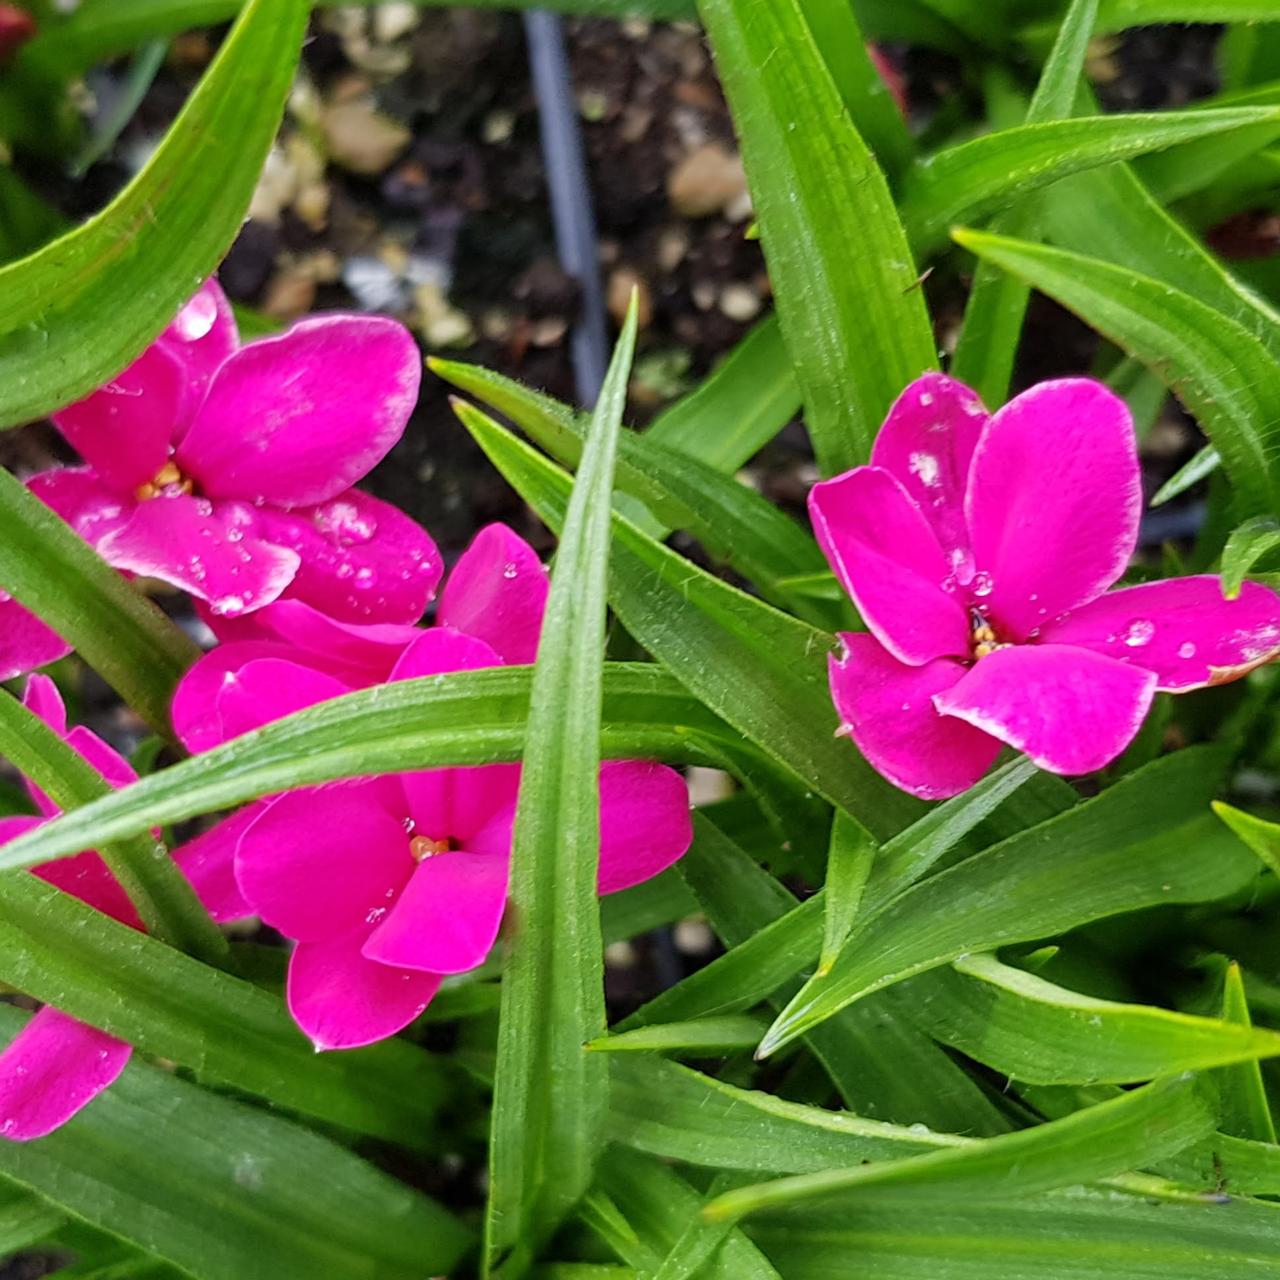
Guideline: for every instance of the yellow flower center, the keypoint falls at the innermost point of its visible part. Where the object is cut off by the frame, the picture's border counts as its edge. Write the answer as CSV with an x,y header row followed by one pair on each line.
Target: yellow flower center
x,y
983,638
167,480
423,847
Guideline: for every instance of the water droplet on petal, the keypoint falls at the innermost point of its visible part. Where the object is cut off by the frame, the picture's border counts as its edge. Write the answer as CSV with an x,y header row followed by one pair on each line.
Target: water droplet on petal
x,y
344,570
926,398
925,466
509,570
365,578
1187,650
196,318
1139,633
981,585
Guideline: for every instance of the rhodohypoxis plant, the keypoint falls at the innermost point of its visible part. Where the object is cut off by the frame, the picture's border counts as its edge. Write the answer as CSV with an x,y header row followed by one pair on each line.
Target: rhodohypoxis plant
x,y
227,471
980,562
390,884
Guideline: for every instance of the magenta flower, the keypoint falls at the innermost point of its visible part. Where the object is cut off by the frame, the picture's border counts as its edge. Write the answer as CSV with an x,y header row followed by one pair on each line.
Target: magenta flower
x,y
226,470
977,549
388,884
57,1065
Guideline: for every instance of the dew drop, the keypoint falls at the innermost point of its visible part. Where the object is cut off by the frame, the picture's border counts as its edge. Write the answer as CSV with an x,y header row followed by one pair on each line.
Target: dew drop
x,y
374,914
1138,633
509,570
344,570
1187,650
365,578
982,584
925,467
926,398
195,320
408,824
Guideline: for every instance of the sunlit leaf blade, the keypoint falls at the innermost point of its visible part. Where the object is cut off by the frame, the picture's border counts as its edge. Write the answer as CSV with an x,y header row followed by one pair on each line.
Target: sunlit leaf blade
x,y
1070,1235
762,670
1220,371
849,860
712,1034
855,323
230,1192
467,717
1032,1030
1151,825
549,1093
970,179
1258,834
165,901
228,1032
1244,1110
1203,465
1247,545
1130,1131
78,310
115,629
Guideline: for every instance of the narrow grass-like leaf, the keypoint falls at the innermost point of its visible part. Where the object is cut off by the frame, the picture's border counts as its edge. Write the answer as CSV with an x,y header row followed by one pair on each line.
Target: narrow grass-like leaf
x,y
968,180
1035,1031
1247,545
24,1218
1130,1131
1144,841
712,1034
1258,834
115,629
78,310
697,1244
1217,368
228,1032
1203,465
162,895
231,1192
762,670
855,324
1244,1110
549,1093
849,861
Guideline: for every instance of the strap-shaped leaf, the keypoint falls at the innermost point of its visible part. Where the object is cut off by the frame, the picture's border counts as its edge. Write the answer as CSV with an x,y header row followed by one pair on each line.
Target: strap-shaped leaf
x,y
77,311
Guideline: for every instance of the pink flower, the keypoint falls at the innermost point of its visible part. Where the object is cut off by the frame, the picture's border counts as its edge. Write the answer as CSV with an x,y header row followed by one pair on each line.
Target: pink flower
x,y
977,549
57,1065
226,470
387,884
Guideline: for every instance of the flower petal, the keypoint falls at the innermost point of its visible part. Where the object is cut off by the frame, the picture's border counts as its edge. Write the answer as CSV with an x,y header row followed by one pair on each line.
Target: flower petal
x,y
343,1001
1181,629
886,555
298,418
202,335
1053,502
645,825
447,918
41,697
1071,710
208,862
87,877
927,443
321,861
55,1066
498,592
362,560
123,429
25,641
203,549
887,708
83,501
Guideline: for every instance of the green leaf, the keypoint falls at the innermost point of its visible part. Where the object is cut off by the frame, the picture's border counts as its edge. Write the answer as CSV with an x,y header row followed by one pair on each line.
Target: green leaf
x,y
715,1034
1032,1030
1130,1131
849,862
762,670
228,1032
229,1192
855,323
162,895
1075,1235
1219,370
115,629
468,717
1145,841
968,180
1244,1110
549,1093
988,342
1204,464
24,1219
1247,545
1116,15
1258,834
78,310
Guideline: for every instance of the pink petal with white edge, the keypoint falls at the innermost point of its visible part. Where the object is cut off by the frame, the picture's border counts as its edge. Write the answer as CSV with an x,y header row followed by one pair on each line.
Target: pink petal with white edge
x,y
645,825
55,1066
498,592
447,918
296,419
885,554
208,862
198,546
322,861
887,708
1053,503
25,641
363,561
123,430
1070,710
343,1001
77,495
202,335
1181,629
41,698
927,443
